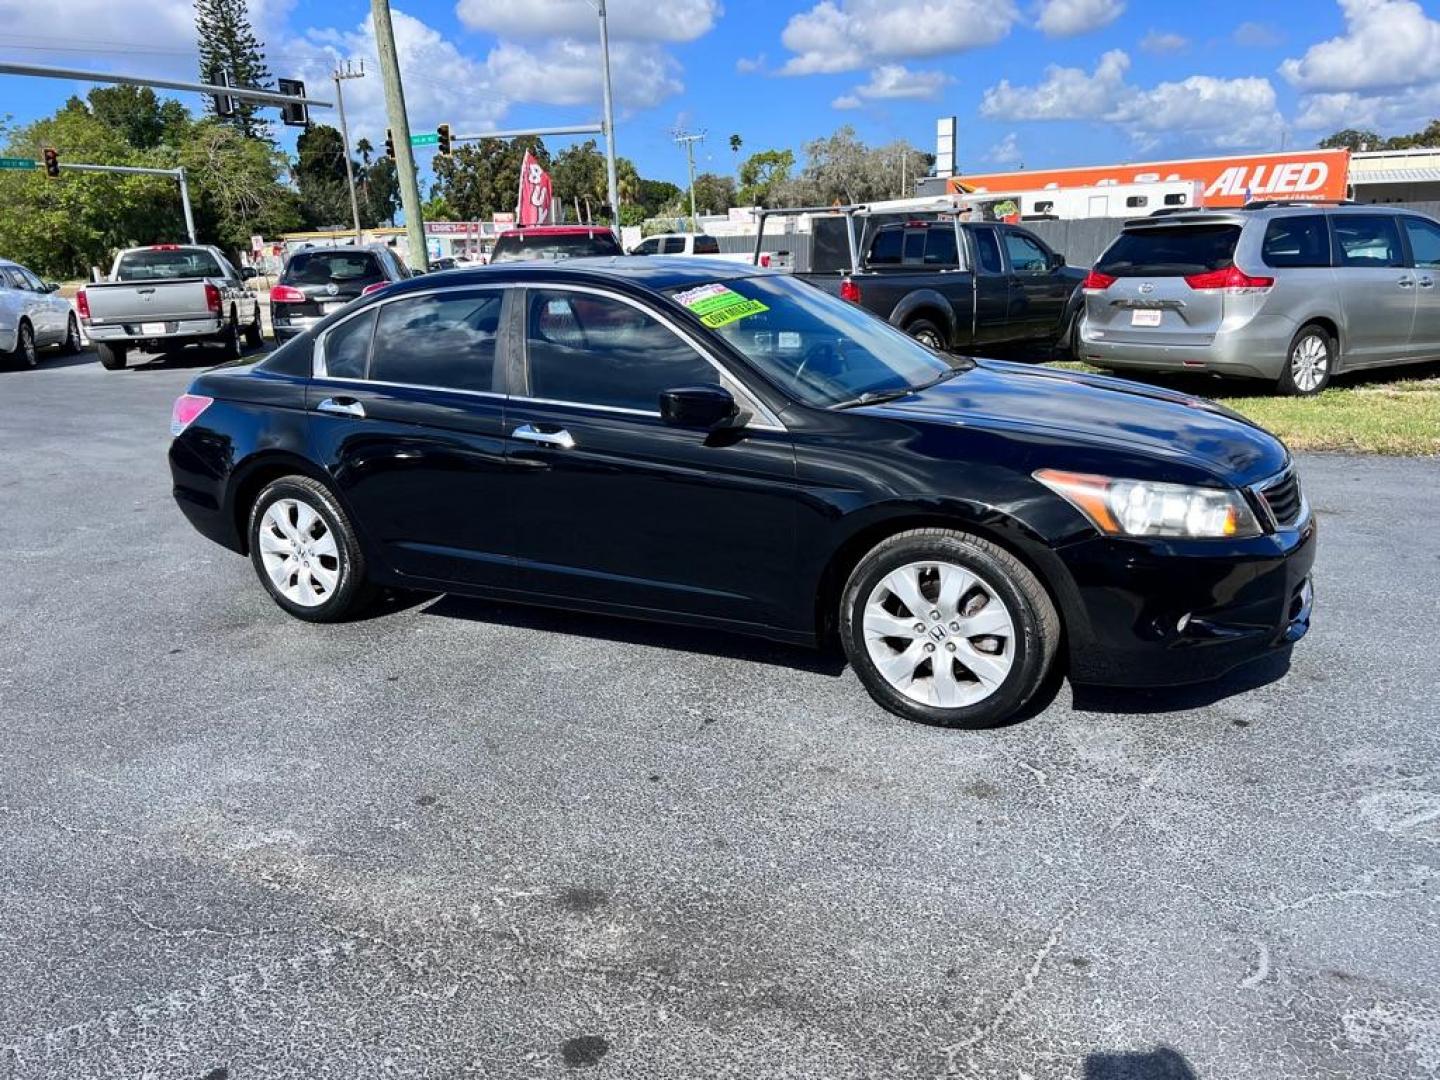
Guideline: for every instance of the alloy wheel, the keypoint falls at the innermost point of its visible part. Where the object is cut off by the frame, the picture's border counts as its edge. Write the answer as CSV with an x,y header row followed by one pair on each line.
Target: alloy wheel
x,y
27,352
929,339
1309,363
939,634
299,552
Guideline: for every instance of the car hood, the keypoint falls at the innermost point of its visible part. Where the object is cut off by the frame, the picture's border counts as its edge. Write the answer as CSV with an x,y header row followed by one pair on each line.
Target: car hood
x,y
1100,411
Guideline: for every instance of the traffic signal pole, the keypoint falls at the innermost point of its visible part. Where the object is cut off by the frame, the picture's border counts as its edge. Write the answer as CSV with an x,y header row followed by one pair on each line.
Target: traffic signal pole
x,y
400,128
136,170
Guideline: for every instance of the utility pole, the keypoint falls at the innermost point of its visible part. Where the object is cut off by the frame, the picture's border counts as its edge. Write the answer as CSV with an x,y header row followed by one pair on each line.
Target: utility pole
x,y
688,141
400,127
340,75
612,185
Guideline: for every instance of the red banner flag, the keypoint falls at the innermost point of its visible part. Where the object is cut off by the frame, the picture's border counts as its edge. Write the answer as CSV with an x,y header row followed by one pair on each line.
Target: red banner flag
x,y
534,206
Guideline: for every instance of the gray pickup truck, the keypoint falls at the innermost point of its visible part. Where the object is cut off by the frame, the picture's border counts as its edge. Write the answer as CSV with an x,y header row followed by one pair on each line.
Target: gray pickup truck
x,y
167,296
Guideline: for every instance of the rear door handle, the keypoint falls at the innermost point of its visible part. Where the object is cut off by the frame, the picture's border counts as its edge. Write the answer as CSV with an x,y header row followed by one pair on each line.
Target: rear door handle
x,y
1406,282
342,406
1427,283
561,439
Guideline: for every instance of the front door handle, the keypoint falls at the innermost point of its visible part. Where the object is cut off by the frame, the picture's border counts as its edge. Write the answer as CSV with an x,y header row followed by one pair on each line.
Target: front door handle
x,y
561,439
342,406
1406,282
1427,283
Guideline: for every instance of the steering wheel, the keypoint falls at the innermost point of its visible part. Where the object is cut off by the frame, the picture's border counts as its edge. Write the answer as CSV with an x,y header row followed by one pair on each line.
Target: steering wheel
x,y
821,355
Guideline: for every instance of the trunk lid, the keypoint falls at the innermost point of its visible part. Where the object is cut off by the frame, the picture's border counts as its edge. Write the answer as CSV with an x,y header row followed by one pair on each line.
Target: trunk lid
x,y
147,301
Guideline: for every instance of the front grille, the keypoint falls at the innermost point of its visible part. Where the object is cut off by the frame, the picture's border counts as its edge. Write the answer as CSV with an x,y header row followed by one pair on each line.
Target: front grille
x,y
1283,498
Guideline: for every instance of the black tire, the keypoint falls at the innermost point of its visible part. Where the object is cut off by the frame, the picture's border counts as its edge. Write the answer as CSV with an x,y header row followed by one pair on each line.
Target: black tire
x,y
111,357
928,334
1032,648
352,592
1299,377
26,355
254,335
230,339
71,345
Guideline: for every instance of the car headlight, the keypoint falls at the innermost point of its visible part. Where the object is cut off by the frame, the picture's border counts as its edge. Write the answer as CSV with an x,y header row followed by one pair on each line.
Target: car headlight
x,y
1120,507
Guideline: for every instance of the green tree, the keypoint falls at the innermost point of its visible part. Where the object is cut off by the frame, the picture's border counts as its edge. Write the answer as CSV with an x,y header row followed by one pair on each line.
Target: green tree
x,y
714,194
656,195
228,44
319,174
762,173
141,118
479,179
380,184
1352,139
579,180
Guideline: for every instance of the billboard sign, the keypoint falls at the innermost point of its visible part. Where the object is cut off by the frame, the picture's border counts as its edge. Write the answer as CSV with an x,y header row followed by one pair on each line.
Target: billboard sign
x,y
1311,175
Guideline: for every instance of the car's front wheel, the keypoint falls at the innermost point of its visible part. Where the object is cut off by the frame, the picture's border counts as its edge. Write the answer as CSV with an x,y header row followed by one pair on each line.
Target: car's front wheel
x,y
947,628
71,345
305,551
25,354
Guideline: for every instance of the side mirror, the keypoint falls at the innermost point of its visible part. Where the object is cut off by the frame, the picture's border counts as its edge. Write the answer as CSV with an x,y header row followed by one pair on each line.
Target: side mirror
x,y
637,250
1056,260
247,272
705,407
50,287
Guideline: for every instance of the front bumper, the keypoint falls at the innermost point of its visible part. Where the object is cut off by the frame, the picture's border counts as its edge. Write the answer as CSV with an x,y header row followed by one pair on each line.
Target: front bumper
x,y
1166,613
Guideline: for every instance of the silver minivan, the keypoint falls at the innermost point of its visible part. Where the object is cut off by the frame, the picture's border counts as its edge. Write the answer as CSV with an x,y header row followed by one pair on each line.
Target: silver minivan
x,y
1291,293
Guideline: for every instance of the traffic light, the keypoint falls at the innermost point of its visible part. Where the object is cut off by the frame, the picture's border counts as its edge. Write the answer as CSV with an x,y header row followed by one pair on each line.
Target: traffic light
x,y
389,145
224,103
443,146
52,162
293,113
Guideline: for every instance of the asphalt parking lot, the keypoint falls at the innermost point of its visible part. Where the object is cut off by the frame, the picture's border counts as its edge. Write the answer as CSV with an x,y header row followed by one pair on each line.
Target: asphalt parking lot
x,y
463,840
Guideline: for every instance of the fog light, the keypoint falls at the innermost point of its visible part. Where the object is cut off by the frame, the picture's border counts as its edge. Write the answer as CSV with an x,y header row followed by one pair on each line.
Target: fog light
x,y
1182,622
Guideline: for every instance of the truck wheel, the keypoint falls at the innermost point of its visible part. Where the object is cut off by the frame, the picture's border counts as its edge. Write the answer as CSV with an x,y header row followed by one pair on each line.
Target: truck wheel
x,y
230,340
111,357
254,335
927,333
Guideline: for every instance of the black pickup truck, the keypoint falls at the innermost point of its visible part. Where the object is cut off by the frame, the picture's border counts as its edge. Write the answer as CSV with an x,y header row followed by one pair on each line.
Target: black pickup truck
x,y
960,286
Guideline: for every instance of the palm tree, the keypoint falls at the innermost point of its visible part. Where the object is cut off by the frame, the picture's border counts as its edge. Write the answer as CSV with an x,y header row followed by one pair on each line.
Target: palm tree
x,y
364,149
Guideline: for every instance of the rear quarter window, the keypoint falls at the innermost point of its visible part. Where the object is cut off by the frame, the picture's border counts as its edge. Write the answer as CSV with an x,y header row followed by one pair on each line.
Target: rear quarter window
x,y
1296,241
1174,251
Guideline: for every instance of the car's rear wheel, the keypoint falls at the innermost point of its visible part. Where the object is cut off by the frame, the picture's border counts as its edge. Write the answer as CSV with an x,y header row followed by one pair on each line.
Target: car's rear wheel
x,y
305,551
927,333
949,629
111,357
1309,364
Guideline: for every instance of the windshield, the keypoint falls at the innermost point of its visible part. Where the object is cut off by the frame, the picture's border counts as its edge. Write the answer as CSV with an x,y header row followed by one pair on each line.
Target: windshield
x,y
518,246
823,350
151,265
332,267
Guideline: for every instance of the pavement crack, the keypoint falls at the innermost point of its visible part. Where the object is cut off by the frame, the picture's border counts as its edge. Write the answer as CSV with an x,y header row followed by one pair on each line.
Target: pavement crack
x,y
1262,966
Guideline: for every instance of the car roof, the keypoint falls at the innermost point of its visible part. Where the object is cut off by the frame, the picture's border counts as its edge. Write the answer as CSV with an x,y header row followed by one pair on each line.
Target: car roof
x,y
559,230
1237,215
656,272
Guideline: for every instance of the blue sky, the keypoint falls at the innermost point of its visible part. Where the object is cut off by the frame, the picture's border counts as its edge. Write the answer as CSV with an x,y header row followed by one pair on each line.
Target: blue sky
x,y
1033,82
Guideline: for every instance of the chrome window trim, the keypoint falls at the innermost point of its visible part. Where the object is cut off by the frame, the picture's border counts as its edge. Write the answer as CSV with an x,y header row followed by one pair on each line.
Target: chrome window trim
x,y
763,418
412,386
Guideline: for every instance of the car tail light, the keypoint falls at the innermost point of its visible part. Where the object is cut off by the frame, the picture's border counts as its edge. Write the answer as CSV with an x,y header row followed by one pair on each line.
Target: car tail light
x,y
850,291
1232,279
764,260
286,294
187,409
82,305
1097,282
368,289
212,297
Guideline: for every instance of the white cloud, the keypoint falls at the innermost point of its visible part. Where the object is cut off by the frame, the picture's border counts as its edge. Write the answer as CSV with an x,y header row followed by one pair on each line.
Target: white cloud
x,y
1255,35
1067,18
1216,113
1163,42
665,20
1065,93
1006,151
846,101
568,73
747,65
843,35
110,29
1401,110
1388,43
898,81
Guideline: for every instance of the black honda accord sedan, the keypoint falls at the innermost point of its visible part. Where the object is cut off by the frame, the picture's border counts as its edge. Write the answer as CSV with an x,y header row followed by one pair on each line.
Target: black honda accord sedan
x,y
701,443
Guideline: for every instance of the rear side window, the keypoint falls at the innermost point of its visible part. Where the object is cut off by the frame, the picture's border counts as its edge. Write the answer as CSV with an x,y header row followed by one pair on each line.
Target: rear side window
x,y
707,245
1367,240
940,248
989,250
1174,251
333,268
347,347
447,340
1296,241
161,265
885,248
672,245
1424,242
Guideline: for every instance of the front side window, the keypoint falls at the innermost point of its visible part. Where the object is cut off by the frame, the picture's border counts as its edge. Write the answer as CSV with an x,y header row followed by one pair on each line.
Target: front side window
x,y
647,247
31,282
596,350
347,346
1026,256
989,250
1424,242
1296,241
446,340
1367,240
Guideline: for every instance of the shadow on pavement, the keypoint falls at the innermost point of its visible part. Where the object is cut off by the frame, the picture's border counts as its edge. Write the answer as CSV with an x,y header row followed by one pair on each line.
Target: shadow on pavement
x,y
1161,1063
1251,676
634,632
49,359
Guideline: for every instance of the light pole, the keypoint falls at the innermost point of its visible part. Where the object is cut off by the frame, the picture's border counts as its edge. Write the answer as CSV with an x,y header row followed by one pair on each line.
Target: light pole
x,y
339,75
612,185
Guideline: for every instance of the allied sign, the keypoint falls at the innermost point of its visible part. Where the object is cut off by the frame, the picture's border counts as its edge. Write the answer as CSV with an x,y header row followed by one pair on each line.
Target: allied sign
x,y
1311,175
18,163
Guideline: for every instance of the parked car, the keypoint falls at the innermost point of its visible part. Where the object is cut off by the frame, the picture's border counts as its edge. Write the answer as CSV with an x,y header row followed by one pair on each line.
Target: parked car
x,y
445,263
317,281
673,440
167,296
692,244
1292,294
33,316
552,242
965,287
